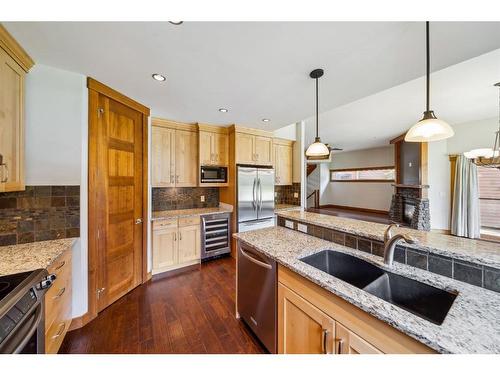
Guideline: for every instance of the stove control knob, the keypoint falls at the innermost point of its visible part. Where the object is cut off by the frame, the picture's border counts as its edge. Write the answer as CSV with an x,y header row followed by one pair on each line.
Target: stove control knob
x,y
46,282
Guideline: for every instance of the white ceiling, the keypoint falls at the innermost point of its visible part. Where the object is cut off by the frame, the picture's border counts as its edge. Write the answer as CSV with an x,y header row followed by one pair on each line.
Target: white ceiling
x,y
256,69
460,93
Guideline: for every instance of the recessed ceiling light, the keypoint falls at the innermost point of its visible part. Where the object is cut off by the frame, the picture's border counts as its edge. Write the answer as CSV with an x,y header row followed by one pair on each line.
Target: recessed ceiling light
x,y
176,22
223,110
265,120
159,77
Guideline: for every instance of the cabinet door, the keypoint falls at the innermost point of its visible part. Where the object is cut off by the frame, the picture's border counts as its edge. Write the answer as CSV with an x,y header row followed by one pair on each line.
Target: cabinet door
x,y
164,249
284,155
349,343
244,148
189,244
263,150
163,157
221,149
302,328
186,158
206,148
11,124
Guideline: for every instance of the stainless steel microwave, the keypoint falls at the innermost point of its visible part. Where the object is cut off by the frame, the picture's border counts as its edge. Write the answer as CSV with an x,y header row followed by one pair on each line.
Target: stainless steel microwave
x,y
210,174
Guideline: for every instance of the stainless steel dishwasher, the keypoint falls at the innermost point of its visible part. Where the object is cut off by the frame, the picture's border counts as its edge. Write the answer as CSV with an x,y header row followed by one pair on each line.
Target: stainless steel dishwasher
x,y
257,294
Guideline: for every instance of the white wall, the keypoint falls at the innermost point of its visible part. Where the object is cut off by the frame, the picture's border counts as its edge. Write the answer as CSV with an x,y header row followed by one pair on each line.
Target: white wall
x,y
287,132
56,149
376,196
471,135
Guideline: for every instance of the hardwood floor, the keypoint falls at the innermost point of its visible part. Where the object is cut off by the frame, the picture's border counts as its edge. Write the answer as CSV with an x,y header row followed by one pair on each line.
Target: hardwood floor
x,y
191,312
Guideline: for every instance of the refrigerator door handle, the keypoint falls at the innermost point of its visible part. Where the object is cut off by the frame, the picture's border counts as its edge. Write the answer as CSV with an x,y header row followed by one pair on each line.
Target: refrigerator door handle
x,y
254,199
260,196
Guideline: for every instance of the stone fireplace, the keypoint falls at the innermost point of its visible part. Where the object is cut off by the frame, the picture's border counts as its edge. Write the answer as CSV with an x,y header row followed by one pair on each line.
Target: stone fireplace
x,y
408,208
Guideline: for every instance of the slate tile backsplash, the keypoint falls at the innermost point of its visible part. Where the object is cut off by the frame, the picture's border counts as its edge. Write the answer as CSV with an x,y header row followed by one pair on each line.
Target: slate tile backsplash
x,y
184,198
39,213
285,194
471,273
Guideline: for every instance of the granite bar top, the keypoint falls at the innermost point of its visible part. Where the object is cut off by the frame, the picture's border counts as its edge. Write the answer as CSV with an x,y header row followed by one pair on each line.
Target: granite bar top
x,y
471,326
285,207
31,256
476,251
173,214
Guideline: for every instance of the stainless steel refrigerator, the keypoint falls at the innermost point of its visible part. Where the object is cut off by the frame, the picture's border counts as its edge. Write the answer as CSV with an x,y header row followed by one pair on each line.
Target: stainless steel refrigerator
x,y
255,198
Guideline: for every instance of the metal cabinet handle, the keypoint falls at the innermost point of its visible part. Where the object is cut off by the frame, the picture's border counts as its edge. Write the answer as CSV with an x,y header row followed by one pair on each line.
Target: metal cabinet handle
x,y
175,236
6,177
61,292
339,348
324,336
61,330
61,265
180,236
171,179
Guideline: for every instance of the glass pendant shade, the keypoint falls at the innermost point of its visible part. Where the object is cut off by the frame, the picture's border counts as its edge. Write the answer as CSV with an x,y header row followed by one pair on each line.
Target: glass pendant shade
x,y
317,149
481,153
429,129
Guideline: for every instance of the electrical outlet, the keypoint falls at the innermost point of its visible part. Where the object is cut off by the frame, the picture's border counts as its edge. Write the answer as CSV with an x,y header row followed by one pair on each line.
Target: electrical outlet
x,y
295,195
302,228
202,198
289,224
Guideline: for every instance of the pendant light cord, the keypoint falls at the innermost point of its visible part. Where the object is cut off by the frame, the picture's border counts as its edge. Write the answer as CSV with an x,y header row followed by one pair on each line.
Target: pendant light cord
x,y
317,106
428,63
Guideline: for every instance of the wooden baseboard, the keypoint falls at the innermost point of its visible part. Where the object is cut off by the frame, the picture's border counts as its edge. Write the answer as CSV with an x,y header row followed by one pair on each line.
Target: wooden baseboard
x,y
80,321
359,209
441,231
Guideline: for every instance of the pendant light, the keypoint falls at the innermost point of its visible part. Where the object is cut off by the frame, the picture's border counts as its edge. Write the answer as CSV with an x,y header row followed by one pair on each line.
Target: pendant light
x,y
430,128
488,157
317,150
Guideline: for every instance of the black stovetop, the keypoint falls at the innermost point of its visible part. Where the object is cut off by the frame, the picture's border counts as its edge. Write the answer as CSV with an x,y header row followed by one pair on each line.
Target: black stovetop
x,y
9,282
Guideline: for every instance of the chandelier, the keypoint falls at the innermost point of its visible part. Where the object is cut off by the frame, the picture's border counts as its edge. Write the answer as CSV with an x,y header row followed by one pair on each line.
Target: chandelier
x,y
488,157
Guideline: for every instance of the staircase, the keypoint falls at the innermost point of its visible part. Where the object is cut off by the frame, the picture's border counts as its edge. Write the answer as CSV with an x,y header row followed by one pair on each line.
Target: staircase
x,y
313,180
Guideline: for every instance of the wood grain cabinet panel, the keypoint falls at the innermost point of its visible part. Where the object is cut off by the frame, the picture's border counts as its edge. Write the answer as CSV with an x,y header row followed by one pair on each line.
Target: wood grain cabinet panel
x,y
186,158
206,151
189,244
303,328
164,249
221,149
263,148
244,148
58,303
11,124
163,157
349,343
283,162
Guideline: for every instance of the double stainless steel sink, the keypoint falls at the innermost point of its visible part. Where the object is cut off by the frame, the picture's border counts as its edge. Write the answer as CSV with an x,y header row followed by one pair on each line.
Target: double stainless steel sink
x,y
423,300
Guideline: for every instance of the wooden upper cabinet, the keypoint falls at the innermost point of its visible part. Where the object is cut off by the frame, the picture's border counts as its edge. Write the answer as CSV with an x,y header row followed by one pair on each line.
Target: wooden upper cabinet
x,y
14,64
350,343
174,154
263,147
253,146
302,328
163,157
244,148
214,145
186,158
283,161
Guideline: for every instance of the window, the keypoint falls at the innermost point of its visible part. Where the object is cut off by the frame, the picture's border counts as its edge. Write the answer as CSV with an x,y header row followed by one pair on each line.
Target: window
x,y
489,202
368,174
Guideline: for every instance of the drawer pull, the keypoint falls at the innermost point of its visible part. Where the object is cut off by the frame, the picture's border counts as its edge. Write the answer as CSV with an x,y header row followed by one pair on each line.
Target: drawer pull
x,y
61,265
60,332
61,292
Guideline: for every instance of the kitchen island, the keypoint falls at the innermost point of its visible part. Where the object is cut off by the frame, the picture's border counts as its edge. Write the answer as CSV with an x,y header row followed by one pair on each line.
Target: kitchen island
x,y
472,324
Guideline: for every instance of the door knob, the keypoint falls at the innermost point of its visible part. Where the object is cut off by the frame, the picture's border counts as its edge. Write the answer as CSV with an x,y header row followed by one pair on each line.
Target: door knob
x,y
138,221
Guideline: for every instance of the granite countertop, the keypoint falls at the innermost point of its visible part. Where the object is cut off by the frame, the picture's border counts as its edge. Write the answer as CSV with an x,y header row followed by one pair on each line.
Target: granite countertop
x,y
471,326
31,256
476,251
285,207
173,214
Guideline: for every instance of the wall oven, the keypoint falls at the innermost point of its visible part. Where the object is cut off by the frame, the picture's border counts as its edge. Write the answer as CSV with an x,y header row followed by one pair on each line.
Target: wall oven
x,y
211,174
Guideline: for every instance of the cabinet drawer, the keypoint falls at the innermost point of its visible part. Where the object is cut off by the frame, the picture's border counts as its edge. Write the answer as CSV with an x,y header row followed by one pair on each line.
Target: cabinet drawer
x,y
62,264
57,300
186,221
54,335
163,224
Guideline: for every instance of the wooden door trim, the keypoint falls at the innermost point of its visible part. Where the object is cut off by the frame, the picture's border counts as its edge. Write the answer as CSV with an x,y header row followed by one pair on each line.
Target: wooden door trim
x,y
95,88
92,84
15,50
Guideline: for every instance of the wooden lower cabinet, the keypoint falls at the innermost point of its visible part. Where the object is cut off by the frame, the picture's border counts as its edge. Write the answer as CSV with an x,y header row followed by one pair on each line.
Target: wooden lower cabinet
x,y
303,328
176,244
58,310
312,320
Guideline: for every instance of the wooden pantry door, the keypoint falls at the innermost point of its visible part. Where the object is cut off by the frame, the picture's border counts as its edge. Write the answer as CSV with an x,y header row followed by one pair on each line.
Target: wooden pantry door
x,y
117,197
